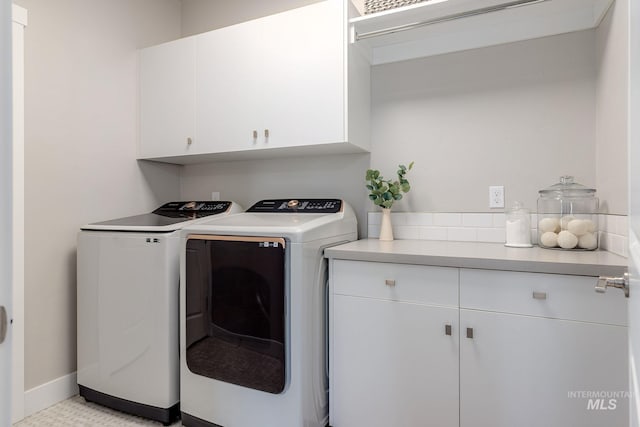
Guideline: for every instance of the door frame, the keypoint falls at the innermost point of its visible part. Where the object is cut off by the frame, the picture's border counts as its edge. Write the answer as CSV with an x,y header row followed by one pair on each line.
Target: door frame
x,y
19,22
6,202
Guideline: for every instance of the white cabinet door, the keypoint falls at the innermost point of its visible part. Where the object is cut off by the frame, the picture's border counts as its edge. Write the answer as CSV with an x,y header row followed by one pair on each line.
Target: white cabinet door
x,y
303,74
167,99
229,96
393,364
532,372
283,74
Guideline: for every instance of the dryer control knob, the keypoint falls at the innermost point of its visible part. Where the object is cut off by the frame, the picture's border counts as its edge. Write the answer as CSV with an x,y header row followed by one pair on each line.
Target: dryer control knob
x,y
293,204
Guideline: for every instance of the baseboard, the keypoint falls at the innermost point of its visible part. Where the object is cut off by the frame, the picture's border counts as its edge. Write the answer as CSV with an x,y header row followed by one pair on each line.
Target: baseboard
x,y
48,394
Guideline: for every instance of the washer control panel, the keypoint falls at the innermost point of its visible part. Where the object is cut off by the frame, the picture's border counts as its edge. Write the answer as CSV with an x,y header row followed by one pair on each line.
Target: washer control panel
x,y
197,209
297,206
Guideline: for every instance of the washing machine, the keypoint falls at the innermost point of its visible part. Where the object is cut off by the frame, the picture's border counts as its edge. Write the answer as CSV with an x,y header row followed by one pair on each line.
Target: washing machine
x,y
253,314
127,308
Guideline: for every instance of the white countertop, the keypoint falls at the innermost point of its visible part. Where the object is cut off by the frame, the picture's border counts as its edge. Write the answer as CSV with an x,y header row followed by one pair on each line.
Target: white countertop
x,y
491,256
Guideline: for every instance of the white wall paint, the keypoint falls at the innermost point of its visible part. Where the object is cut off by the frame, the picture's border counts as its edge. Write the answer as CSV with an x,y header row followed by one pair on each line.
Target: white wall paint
x,y
81,125
611,113
518,115
246,182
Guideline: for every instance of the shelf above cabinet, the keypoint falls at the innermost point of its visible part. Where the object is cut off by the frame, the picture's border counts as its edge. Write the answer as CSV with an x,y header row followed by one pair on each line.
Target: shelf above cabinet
x,y
442,26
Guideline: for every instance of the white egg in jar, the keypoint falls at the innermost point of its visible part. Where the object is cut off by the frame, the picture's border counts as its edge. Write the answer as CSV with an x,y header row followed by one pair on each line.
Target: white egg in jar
x,y
591,226
549,239
588,241
578,227
549,224
567,240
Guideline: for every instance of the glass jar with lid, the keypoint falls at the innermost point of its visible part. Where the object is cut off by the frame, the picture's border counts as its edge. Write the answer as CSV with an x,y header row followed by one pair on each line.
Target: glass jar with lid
x,y
568,216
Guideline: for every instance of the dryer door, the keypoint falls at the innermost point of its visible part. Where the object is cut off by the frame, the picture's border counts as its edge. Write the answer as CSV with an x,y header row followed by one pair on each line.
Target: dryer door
x,y
235,310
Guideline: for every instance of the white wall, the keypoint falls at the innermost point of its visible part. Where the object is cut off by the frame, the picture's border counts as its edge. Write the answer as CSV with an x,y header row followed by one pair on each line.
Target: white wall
x,y
246,182
81,125
518,115
611,114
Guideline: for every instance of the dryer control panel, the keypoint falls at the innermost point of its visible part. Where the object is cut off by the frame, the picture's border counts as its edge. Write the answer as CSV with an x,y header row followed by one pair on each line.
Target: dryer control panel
x,y
297,206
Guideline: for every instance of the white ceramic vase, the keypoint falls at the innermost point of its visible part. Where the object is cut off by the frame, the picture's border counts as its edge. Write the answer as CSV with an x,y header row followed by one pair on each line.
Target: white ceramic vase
x,y
386,232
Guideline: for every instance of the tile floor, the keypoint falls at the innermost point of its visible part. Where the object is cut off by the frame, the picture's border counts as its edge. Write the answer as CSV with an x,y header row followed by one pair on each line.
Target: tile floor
x,y
78,413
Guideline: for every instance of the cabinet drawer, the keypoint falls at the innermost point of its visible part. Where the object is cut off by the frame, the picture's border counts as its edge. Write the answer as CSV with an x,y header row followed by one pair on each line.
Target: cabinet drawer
x,y
396,282
545,295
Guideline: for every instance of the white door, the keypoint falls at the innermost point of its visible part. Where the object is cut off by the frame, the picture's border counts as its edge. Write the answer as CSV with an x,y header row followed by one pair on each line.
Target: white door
x,y
634,209
6,209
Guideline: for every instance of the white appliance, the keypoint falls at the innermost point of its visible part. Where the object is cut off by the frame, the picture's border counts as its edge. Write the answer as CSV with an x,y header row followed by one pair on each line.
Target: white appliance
x,y
128,287
253,322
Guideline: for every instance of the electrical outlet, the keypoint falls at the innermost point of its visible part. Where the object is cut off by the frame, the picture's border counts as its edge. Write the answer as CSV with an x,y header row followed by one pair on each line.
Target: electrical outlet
x,y
496,196
215,195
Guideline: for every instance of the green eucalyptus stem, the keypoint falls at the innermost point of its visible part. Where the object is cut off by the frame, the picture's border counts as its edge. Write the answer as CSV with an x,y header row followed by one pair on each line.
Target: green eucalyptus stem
x,y
383,192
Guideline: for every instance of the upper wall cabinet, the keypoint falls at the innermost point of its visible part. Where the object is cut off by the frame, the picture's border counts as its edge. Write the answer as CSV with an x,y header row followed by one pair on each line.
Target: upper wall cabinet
x,y
287,84
441,26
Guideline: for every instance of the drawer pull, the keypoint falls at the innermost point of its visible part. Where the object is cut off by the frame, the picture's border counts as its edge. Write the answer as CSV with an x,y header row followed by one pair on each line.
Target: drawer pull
x,y
447,330
539,295
470,333
390,282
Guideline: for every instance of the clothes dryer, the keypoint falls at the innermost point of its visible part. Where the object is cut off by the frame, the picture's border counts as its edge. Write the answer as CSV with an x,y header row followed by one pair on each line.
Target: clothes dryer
x,y
253,314
127,301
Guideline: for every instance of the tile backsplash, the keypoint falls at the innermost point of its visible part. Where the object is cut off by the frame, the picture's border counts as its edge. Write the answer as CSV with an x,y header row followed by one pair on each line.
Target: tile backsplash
x,y
484,227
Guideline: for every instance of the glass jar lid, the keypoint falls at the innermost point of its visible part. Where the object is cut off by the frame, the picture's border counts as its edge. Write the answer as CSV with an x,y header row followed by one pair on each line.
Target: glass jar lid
x,y
567,188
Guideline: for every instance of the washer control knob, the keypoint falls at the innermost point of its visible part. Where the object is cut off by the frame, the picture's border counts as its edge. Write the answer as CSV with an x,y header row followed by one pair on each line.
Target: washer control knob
x,y
293,204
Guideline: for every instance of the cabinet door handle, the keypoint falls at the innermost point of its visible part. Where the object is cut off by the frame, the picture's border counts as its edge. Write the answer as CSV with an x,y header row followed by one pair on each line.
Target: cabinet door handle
x,y
189,141
447,330
539,295
266,133
470,333
390,282
255,134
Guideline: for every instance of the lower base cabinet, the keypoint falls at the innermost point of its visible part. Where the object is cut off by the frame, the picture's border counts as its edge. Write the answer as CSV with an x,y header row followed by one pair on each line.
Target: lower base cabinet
x,y
524,350
536,372
393,365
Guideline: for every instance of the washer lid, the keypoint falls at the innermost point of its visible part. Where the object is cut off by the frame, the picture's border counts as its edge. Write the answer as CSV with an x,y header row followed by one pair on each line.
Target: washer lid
x,y
168,217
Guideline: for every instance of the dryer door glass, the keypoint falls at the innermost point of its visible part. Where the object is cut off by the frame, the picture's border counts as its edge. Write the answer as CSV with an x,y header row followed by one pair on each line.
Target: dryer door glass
x,y
235,310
